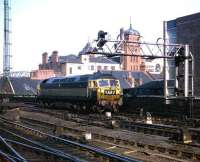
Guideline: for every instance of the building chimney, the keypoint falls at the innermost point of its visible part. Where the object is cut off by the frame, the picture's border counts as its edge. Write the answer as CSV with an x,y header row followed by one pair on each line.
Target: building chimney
x,y
44,58
121,34
54,57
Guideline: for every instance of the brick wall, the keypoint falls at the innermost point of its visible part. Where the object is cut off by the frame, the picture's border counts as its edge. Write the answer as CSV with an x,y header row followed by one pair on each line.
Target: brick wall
x,y
131,63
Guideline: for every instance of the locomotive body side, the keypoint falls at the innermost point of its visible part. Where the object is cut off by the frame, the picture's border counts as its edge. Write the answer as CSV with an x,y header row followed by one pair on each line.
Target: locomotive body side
x,y
84,91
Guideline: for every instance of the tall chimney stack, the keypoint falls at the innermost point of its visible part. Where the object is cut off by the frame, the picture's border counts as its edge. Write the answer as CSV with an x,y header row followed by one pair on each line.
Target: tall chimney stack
x,y
44,58
121,34
54,57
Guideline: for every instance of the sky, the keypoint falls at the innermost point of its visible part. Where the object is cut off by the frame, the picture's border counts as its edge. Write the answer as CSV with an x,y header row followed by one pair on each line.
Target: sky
x,y
66,25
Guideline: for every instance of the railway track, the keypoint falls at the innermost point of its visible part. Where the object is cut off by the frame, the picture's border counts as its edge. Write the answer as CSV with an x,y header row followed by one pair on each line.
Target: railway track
x,y
46,141
128,123
178,153
151,144
30,150
34,106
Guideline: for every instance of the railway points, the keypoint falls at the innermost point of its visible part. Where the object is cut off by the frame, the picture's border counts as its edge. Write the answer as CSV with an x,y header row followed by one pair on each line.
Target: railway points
x,y
53,139
128,142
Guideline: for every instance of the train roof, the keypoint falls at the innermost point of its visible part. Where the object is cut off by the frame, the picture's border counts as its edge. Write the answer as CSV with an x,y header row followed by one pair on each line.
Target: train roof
x,y
79,78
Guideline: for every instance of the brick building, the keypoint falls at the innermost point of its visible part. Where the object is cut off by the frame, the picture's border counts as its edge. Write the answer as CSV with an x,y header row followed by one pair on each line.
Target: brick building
x,y
131,63
186,30
56,65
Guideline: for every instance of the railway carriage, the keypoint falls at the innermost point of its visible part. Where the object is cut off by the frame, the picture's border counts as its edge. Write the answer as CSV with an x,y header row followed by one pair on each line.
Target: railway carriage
x,y
98,92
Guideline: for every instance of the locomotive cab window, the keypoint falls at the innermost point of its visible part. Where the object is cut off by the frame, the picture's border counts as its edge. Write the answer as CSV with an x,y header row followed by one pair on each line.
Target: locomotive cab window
x,y
114,83
103,83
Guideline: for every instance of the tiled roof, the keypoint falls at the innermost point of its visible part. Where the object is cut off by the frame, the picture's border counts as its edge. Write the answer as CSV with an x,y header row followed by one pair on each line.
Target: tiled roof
x,y
76,59
102,59
23,86
70,59
88,47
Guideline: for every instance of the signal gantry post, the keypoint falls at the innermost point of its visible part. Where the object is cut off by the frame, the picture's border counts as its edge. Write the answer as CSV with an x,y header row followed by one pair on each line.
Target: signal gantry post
x,y
178,61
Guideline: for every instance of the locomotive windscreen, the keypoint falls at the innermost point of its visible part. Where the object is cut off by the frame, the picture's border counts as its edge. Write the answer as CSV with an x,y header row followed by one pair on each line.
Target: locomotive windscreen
x,y
114,83
103,83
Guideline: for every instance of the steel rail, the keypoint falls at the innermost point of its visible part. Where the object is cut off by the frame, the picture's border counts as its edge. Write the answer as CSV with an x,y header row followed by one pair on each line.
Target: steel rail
x,y
12,150
76,144
44,147
4,155
55,153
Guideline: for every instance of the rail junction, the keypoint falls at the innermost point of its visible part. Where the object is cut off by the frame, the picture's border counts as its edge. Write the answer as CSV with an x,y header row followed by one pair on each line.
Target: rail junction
x,y
118,138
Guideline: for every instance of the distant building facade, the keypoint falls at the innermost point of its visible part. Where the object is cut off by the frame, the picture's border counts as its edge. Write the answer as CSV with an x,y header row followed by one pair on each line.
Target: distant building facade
x,y
42,74
55,65
186,30
69,65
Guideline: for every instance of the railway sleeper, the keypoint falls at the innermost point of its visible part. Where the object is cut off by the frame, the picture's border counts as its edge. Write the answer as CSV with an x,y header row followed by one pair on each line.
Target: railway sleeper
x,y
160,149
188,155
142,145
173,152
151,147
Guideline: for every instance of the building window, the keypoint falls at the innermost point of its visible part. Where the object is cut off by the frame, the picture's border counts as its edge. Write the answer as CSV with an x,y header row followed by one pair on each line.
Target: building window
x,y
79,67
105,67
112,67
92,67
98,67
70,70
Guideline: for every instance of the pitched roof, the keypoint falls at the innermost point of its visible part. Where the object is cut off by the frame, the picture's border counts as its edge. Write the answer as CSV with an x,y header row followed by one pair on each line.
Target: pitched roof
x,y
88,47
76,59
23,86
70,59
102,59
